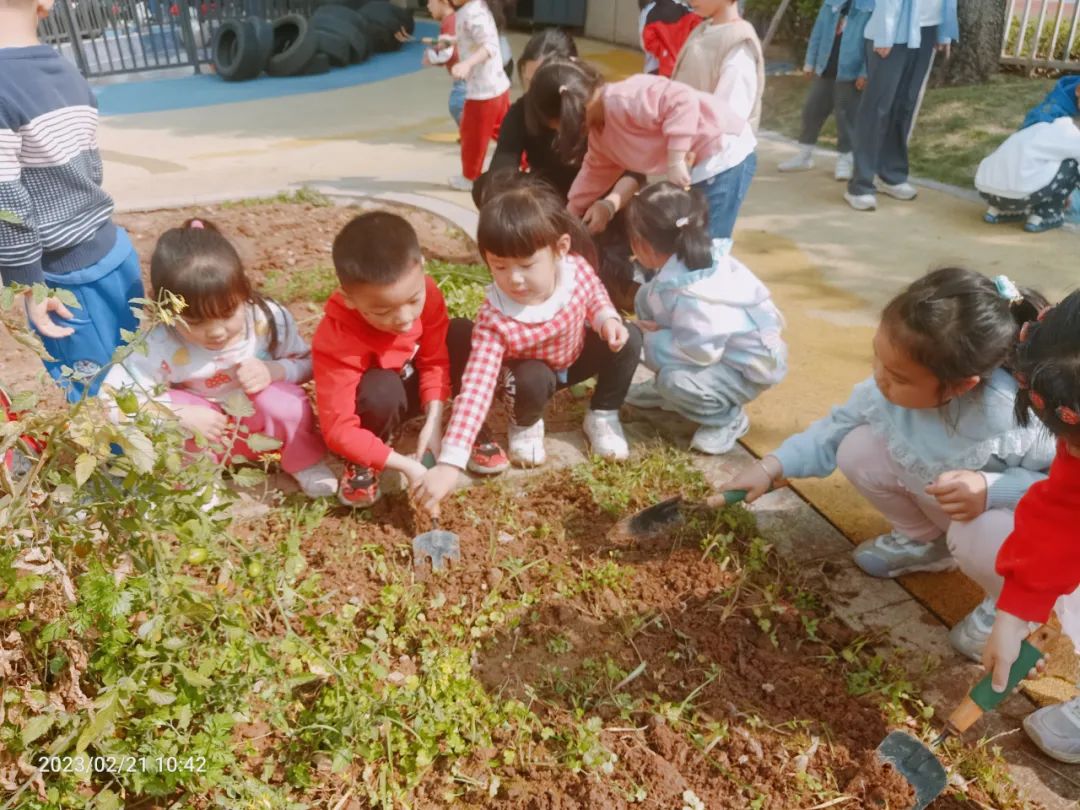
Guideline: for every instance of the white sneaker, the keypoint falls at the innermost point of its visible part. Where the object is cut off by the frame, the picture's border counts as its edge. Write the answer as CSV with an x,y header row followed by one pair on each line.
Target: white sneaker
x,y
861,202
845,166
317,481
970,635
1056,730
460,183
605,434
717,440
647,396
801,162
900,191
527,445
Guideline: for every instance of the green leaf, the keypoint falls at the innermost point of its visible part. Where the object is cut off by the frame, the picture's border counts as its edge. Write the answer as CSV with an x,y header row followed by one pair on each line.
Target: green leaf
x,y
85,465
108,708
248,477
195,679
10,217
262,444
67,297
238,406
36,727
106,800
160,697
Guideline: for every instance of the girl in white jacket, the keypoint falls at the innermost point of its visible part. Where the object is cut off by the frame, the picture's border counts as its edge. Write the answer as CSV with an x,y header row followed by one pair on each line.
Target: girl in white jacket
x,y
1031,176
712,332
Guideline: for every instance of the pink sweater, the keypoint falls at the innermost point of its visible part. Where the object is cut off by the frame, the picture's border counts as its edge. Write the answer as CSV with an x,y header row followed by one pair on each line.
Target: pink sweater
x,y
645,117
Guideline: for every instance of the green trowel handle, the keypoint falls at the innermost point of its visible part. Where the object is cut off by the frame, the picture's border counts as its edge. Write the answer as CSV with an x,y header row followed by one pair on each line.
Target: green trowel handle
x,y
983,693
734,496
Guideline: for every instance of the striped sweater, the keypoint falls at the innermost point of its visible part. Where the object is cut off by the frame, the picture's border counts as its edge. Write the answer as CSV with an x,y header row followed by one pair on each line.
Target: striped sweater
x,y
50,168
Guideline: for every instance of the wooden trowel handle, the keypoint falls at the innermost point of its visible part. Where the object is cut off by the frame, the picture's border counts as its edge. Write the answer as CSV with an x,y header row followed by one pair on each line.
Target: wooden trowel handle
x,y
982,698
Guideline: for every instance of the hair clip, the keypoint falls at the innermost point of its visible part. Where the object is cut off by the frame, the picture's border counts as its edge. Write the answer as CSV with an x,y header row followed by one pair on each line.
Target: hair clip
x,y
682,222
1021,379
1068,416
1037,402
196,225
1007,290
562,89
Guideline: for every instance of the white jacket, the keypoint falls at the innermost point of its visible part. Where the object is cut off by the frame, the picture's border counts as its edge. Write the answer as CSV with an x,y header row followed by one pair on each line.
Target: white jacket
x,y
1029,159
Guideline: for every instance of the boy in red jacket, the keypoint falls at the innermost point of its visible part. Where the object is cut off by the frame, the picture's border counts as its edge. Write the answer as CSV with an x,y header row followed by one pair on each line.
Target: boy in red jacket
x,y
1040,560
381,357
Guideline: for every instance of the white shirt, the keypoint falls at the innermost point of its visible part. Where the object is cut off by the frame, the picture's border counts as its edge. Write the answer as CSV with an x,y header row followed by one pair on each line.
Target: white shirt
x,y
475,31
738,85
931,12
1029,159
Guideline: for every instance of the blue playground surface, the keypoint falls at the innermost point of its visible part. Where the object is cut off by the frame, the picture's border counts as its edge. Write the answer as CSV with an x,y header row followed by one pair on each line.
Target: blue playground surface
x,y
205,90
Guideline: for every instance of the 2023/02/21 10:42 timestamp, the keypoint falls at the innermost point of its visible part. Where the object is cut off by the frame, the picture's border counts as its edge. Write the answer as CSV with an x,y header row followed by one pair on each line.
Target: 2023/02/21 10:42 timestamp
x,y
84,763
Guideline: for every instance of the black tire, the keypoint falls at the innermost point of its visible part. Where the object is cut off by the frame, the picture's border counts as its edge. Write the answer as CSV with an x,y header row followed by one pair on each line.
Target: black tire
x,y
382,21
359,47
295,44
319,63
236,52
263,32
355,5
335,47
345,23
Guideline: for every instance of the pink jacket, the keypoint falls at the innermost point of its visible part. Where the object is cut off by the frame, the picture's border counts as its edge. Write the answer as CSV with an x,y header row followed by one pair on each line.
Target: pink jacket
x,y
645,117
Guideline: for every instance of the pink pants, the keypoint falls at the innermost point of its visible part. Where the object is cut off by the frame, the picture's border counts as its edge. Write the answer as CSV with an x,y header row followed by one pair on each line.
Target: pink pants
x,y
283,412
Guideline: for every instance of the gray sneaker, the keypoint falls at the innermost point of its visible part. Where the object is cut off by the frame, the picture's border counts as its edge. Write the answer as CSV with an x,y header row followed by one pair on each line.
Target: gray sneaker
x,y
970,634
646,395
893,554
1056,730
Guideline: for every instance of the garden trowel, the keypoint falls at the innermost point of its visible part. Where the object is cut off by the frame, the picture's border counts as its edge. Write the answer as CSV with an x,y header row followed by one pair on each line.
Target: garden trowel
x,y
916,761
671,512
436,545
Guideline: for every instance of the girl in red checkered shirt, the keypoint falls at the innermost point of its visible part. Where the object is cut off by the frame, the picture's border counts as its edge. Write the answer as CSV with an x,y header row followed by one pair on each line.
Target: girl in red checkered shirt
x,y
546,323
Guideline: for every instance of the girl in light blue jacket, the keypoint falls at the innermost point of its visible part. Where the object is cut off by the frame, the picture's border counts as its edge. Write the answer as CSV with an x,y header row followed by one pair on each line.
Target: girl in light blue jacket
x,y
712,331
836,58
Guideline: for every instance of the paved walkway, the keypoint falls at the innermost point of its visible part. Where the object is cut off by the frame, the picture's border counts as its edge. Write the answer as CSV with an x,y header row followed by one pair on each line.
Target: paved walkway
x,y
830,269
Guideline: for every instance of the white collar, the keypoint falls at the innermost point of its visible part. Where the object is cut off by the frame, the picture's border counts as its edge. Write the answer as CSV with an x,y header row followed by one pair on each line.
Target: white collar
x,y
545,310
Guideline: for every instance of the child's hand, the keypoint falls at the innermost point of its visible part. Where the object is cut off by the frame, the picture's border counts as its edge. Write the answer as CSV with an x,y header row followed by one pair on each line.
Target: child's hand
x,y
403,36
614,331
38,315
961,494
430,438
460,71
883,52
756,479
412,469
204,421
253,375
598,216
648,326
1003,648
678,172
808,71
860,83
435,486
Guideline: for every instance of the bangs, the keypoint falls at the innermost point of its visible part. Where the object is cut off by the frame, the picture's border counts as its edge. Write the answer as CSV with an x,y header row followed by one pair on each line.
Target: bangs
x,y
210,295
515,224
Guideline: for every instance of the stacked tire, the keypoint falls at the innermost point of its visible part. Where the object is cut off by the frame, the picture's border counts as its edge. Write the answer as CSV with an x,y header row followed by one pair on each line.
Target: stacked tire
x,y
338,33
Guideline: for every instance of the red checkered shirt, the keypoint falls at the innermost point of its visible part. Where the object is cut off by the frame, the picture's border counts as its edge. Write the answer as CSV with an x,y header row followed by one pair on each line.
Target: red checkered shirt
x,y
499,336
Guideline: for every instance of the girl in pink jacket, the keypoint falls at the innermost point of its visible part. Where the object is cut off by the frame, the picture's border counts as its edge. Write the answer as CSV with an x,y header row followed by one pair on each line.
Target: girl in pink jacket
x,y
646,124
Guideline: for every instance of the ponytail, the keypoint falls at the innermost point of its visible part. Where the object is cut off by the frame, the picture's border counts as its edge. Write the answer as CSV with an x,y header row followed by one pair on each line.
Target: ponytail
x,y
560,92
672,220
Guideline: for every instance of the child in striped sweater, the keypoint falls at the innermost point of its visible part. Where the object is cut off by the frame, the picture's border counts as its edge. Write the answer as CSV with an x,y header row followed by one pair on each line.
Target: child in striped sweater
x,y
547,323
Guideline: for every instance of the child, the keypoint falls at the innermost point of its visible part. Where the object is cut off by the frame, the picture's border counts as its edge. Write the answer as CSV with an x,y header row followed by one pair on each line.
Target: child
x,y
1062,100
664,26
444,53
836,57
1038,569
487,93
59,231
231,340
711,331
1030,177
644,124
533,336
930,439
381,357
902,35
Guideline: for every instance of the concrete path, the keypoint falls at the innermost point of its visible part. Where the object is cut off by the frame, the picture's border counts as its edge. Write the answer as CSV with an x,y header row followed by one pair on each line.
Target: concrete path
x,y
830,269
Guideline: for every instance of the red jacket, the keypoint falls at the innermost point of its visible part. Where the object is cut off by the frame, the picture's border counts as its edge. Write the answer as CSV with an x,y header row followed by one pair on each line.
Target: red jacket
x,y
1041,558
346,345
666,29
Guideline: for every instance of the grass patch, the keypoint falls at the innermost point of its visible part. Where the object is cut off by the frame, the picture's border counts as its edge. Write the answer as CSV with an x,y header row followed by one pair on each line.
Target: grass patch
x,y
302,196
957,126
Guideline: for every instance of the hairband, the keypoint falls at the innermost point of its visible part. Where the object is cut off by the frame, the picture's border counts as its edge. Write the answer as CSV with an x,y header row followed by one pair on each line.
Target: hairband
x,y
1007,290
682,222
1066,415
196,225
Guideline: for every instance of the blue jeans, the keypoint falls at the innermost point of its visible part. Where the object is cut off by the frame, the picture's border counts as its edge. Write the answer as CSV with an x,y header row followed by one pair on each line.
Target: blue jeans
x,y
103,291
457,102
725,192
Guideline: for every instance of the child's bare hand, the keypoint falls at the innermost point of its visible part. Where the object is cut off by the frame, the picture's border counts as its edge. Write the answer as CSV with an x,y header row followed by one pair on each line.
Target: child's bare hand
x,y
460,71
648,326
434,486
615,333
38,315
403,36
430,438
203,421
961,494
253,375
755,479
598,216
808,71
883,52
679,174
1003,648
860,83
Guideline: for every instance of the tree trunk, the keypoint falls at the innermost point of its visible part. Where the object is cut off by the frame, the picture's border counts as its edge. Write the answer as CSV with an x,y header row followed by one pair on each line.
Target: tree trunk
x,y
975,58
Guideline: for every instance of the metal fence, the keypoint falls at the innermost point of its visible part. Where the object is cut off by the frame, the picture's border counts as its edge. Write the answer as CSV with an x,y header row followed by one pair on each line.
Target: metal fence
x,y
109,37
1042,34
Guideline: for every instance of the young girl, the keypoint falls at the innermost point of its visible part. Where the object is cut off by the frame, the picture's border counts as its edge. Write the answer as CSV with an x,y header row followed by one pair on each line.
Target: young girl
x,y
487,92
645,124
1032,175
231,340
1038,568
712,333
930,439
547,323
443,52
836,58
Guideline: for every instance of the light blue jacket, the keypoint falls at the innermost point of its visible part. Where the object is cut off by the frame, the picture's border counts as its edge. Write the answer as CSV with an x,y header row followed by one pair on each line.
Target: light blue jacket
x,y
976,431
896,22
721,314
852,63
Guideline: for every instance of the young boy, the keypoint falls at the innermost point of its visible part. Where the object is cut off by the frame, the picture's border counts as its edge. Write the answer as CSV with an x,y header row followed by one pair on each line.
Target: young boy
x,y
663,27
58,229
381,357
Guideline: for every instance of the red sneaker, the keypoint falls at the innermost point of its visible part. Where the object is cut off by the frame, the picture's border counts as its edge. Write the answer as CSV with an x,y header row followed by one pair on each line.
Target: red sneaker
x,y
487,458
359,487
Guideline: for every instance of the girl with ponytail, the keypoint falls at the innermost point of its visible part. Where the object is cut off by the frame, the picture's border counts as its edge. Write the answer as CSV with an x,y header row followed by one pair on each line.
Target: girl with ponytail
x,y
711,329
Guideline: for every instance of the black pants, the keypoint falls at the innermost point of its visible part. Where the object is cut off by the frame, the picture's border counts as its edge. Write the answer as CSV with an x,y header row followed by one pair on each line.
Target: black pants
x,y
829,97
1049,201
528,385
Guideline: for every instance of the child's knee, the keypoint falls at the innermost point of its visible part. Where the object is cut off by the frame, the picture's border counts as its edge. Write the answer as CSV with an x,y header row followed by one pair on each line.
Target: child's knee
x,y
978,541
859,451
